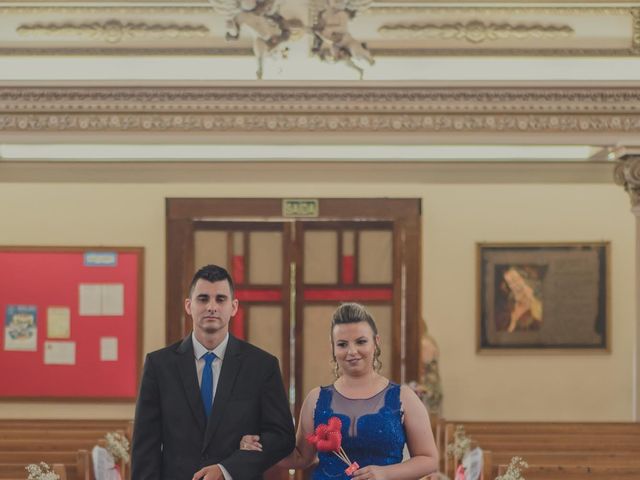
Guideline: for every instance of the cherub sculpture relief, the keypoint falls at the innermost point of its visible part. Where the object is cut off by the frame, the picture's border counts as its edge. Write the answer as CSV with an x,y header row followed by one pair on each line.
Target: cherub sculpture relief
x,y
270,29
332,40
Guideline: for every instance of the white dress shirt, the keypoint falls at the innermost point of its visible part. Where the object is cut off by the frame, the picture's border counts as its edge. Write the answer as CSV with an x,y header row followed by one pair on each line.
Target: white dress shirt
x,y
199,352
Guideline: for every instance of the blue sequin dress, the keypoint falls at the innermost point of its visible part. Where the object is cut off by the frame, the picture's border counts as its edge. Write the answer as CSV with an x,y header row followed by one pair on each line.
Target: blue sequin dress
x,y
372,430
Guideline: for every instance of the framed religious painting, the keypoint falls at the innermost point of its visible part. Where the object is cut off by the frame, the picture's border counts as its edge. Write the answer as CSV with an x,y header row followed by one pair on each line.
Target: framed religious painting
x,y
543,297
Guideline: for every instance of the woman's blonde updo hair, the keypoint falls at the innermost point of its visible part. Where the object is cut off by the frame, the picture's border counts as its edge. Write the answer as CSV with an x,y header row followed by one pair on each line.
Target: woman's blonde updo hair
x,y
354,313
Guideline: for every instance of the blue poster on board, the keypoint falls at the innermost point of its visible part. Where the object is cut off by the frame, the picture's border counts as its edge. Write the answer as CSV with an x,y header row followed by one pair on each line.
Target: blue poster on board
x,y
21,328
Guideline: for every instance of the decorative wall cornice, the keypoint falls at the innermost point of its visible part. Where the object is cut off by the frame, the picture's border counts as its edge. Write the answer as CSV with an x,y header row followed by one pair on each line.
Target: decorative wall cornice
x,y
428,8
111,9
519,26
287,99
511,10
114,31
474,31
317,123
317,110
627,174
636,28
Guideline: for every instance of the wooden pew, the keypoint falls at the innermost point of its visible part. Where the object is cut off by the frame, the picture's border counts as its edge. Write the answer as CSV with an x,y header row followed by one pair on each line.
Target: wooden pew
x,y
527,439
64,442
78,463
64,424
576,472
478,430
43,444
570,458
80,434
17,471
494,460
550,442
438,425
546,427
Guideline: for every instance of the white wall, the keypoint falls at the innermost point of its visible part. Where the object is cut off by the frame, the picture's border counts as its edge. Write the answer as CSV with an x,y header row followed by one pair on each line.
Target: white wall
x,y
455,217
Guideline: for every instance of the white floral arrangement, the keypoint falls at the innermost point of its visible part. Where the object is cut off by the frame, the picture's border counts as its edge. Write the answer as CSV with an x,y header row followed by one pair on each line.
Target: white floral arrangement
x,y
41,471
117,446
461,444
514,469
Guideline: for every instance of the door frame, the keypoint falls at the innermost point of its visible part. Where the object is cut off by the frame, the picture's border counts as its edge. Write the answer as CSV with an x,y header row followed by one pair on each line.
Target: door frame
x,y
182,214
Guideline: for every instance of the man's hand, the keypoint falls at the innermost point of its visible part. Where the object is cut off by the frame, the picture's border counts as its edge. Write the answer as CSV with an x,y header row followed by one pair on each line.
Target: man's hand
x,y
212,472
251,442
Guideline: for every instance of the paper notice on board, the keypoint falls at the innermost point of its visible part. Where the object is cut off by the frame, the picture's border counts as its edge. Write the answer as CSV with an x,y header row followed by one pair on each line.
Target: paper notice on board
x,y
60,353
21,328
113,299
90,296
109,349
58,322
101,299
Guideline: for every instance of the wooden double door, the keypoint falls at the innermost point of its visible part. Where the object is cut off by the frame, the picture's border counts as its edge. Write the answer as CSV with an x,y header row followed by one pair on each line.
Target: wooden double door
x,y
291,273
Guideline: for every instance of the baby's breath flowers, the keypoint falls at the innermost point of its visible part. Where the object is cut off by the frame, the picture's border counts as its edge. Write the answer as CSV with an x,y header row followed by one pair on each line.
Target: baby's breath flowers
x,y
117,446
513,470
41,471
460,446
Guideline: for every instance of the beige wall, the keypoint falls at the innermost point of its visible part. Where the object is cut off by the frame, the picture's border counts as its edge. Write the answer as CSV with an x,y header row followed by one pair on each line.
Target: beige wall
x,y
456,215
528,387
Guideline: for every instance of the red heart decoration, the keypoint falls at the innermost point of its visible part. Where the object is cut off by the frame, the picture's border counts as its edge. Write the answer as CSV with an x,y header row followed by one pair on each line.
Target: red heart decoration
x,y
321,430
330,443
334,424
312,439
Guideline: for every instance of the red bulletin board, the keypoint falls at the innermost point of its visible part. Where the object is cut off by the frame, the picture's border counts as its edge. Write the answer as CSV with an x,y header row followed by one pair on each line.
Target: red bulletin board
x,y
44,277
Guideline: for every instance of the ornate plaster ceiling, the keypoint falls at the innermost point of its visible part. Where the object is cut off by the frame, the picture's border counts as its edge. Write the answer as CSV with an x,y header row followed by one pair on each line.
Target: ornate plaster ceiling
x,y
406,38
450,73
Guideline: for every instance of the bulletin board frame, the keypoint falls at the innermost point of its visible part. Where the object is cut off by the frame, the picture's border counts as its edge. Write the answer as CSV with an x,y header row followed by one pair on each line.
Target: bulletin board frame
x,y
36,277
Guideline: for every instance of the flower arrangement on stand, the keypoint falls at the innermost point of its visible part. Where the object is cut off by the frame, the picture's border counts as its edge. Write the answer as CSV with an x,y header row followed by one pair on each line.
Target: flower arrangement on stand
x,y
41,471
458,449
117,446
514,469
110,457
460,446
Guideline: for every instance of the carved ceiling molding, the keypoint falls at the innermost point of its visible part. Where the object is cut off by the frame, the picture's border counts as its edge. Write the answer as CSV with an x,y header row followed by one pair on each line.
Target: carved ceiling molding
x,y
475,24
316,123
636,27
474,32
86,9
627,174
374,10
114,31
317,110
129,51
377,52
317,99
506,52
459,10
480,25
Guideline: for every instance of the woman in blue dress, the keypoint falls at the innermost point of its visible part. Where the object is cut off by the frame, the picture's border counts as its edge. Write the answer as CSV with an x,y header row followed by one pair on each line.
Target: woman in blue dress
x,y
378,416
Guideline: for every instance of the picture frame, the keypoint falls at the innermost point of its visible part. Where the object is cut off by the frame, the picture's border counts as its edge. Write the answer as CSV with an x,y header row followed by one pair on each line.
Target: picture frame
x,y
543,297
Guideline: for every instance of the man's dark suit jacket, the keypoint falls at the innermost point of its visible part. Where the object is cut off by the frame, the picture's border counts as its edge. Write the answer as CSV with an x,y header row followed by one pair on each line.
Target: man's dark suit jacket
x,y
171,438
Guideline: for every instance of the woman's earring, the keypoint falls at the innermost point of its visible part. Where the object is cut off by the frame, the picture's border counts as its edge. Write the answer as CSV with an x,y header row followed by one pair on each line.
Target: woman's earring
x,y
336,372
377,363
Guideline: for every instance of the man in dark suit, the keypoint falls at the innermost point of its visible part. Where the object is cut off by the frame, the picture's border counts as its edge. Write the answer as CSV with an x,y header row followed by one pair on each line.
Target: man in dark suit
x,y
199,396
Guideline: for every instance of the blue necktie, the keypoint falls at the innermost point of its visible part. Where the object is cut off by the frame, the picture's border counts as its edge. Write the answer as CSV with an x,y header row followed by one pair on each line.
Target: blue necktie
x,y
206,386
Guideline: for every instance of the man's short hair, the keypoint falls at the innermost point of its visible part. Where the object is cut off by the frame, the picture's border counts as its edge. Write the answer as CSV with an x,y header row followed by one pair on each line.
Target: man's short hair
x,y
212,273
